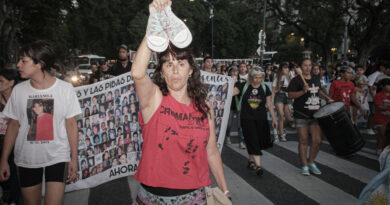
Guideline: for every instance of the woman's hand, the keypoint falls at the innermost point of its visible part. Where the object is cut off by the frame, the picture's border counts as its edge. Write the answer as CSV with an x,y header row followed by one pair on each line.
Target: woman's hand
x,y
72,170
4,171
160,4
274,123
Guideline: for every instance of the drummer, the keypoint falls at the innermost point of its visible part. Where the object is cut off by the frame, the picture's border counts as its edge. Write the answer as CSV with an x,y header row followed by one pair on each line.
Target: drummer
x,y
344,90
306,92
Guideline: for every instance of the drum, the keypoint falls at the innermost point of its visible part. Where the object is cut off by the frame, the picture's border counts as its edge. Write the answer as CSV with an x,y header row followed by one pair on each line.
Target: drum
x,y
336,124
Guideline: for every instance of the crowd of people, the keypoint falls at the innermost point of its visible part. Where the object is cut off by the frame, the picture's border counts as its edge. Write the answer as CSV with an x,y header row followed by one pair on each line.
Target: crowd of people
x,y
40,134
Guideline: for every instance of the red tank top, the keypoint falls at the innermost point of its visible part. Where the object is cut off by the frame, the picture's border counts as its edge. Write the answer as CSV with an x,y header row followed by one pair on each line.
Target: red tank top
x,y
174,151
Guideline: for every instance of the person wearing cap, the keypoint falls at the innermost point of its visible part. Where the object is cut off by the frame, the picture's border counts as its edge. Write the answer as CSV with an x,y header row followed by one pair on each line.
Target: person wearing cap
x,y
123,65
344,90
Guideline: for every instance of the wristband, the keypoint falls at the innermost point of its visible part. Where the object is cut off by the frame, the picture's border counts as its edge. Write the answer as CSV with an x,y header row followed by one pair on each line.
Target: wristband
x,y
226,192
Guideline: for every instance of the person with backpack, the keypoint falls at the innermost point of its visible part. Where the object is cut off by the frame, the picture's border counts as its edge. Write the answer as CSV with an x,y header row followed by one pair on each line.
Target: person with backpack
x,y
255,95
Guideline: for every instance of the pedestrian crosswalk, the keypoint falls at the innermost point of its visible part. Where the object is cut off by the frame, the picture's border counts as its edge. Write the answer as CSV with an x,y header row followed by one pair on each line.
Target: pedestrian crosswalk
x,y
341,182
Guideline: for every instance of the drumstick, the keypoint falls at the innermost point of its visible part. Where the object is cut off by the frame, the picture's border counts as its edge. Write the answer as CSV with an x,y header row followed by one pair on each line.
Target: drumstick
x,y
299,71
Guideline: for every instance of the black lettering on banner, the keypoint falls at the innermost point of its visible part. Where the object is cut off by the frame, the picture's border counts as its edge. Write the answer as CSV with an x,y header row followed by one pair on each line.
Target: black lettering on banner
x,y
123,170
214,79
78,93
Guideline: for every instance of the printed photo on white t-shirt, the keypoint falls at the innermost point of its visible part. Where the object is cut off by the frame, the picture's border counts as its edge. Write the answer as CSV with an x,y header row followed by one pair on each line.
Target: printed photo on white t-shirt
x,y
40,118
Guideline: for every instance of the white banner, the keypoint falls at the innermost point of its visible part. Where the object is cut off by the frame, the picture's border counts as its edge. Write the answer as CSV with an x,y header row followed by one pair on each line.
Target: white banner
x,y
109,135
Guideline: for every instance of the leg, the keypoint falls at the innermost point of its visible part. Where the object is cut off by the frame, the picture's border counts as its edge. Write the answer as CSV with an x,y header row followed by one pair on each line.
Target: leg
x,y
287,113
380,138
55,176
315,131
32,195
279,109
303,143
54,193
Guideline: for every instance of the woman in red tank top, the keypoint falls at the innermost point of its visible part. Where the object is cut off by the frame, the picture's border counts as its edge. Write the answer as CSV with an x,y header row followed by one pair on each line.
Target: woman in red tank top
x,y
178,128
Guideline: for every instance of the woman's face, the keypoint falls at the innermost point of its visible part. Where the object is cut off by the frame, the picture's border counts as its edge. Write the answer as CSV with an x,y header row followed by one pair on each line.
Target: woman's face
x,y
27,68
132,108
5,84
38,108
257,79
104,137
176,74
316,70
123,159
285,70
89,132
306,67
94,101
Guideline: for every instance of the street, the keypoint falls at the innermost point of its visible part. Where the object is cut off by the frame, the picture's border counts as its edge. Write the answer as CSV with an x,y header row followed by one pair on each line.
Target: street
x,y
340,183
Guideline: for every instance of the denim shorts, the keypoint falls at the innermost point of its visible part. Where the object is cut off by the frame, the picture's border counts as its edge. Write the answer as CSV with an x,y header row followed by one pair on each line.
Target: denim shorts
x,y
281,98
305,122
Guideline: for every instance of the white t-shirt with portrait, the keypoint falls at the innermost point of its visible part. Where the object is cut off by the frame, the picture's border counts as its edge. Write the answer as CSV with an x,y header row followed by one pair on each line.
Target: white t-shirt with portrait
x,y
42,137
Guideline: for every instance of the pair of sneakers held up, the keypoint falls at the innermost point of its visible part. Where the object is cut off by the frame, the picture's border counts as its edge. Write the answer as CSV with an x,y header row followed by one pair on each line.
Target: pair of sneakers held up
x,y
163,26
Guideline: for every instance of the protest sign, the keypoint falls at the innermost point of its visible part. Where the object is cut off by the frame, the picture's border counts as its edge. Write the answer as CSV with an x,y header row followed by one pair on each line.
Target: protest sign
x,y
109,135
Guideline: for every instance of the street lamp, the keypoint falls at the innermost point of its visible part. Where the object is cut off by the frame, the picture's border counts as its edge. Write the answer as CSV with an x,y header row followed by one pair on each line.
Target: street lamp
x,y
212,25
333,50
262,49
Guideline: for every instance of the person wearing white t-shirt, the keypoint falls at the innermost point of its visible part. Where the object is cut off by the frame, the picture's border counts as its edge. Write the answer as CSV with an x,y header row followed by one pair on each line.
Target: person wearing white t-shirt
x,y
242,72
42,127
281,100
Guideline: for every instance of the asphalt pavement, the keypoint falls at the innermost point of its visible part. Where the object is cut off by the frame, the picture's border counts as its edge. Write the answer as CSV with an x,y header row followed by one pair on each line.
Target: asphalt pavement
x,y
341,182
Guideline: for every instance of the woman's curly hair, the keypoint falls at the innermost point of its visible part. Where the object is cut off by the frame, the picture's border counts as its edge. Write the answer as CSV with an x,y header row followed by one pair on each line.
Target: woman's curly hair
x,y
197,91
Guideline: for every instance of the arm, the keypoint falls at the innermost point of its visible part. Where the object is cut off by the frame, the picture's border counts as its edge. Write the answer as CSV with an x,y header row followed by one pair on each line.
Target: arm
x,y
271,111
324,96
148,93
213,155
71,129
9,142
297,94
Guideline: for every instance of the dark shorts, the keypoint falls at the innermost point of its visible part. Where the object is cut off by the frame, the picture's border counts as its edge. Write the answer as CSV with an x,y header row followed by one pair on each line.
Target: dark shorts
x,y
33,176
305,122
281,98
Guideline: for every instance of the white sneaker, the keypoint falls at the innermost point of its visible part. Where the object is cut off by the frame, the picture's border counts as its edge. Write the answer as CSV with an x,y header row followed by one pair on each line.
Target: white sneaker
x,y
242,145
227,140
276,140
370,132
177,31
156,38
283,138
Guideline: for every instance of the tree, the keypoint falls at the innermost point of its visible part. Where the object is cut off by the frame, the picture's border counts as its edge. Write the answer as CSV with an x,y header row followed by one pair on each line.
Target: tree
x,y
319,22
369,26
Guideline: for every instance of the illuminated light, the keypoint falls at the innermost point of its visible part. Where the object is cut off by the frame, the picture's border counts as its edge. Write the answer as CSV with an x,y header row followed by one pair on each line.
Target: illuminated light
x,y
333,49
291,34
302,39
185,20
74,78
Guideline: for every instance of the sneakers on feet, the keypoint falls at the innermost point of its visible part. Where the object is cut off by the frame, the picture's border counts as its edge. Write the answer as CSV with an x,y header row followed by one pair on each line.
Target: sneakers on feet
x,y
283,138
156,38
276,140
228,141
314,169
370,132
177,31
305,171
242,145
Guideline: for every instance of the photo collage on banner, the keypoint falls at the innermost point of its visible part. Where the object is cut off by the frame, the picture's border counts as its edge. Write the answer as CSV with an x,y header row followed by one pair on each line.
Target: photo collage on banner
x,y
109,134
220,89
